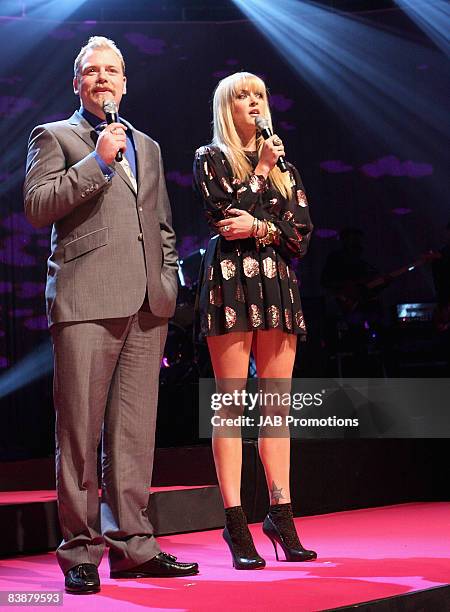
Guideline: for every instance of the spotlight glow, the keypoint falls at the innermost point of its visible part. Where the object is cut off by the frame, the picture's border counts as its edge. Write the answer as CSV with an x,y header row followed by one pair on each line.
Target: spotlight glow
x,y
37,364
369,76
433,17
42,27
49,14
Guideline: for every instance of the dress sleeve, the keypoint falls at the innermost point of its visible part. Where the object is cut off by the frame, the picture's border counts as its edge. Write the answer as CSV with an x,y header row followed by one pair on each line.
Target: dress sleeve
x,y
291,218
220,191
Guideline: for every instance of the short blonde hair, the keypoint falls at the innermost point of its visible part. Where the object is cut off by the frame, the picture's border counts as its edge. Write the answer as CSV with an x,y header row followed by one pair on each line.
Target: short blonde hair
x,y
225,135
97,42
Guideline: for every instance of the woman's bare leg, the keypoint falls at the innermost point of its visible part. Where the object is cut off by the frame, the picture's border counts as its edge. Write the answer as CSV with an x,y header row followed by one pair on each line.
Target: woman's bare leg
x,y
230,357
275,355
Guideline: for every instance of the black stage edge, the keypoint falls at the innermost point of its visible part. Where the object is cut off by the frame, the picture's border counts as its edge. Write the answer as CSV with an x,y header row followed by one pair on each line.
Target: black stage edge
x,y
34,527
435,599
186,510
326,476
335,475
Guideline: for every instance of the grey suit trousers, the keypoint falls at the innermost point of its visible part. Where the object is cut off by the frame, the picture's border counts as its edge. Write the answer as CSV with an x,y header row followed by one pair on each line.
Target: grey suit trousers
x,y
106,382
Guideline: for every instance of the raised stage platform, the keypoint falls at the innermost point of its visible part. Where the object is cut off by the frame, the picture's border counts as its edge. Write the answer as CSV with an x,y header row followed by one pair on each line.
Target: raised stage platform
x,y
377,512
395,558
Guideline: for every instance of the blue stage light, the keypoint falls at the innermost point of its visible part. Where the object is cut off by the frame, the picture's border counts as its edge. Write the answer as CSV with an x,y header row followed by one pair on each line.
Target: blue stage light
x,y
48,13
37,364
433,17
370,76
28,56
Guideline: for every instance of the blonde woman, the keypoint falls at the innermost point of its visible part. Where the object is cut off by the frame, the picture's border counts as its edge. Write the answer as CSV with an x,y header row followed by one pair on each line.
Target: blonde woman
x,y
249,298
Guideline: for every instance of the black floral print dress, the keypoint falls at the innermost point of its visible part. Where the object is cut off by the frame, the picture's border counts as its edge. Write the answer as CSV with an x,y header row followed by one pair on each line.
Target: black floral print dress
x,y
242,286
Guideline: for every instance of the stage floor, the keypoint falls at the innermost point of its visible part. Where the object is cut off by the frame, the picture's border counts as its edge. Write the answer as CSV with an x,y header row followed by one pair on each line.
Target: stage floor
x,y
363,555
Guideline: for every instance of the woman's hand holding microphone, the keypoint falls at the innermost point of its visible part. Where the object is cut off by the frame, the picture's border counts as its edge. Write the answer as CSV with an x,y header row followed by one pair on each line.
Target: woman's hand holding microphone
x,y
272,149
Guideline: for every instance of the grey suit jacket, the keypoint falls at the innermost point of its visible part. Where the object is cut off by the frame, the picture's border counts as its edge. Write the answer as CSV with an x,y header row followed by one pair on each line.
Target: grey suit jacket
x,y
108,245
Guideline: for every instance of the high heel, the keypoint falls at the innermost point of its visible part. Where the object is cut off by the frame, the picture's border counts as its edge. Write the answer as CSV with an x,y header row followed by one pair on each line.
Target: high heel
x,y
239,539
279,527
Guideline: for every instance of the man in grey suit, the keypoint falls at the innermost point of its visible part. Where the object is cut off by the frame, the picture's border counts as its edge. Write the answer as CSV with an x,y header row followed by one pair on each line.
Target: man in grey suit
x,y
111,286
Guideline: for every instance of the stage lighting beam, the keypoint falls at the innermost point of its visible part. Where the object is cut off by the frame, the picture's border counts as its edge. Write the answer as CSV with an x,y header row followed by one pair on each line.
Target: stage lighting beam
x,y
433,17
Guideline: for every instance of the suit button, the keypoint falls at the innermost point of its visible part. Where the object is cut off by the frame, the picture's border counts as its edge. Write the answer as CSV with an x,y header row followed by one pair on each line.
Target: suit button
x,y
141,237
140,208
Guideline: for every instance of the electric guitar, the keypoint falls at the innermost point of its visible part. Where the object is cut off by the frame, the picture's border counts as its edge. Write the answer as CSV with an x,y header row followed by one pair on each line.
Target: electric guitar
x,y
351,294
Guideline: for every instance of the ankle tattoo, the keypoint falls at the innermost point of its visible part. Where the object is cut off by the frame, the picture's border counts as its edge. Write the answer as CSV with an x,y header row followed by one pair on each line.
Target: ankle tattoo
x,y
276,494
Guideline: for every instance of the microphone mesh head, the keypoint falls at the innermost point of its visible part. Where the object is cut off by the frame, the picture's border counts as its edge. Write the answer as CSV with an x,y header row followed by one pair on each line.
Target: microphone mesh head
x,y
109,106
261,123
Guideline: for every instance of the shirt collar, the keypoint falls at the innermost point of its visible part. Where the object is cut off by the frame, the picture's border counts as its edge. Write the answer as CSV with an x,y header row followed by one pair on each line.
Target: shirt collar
x,y
95,121
90,117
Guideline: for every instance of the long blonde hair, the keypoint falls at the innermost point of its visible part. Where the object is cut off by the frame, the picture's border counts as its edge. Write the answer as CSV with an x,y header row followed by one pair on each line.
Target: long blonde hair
x,y
225,135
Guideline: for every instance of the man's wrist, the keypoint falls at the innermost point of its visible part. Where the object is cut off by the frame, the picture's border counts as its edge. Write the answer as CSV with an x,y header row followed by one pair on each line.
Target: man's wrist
x,y
108,171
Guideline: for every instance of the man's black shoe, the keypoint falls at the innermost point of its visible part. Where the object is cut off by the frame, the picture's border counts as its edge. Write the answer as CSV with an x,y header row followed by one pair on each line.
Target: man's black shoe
x,y
82,579
161,566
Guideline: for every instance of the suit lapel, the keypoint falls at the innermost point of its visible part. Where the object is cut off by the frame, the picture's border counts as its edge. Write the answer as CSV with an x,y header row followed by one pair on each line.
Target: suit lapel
x,y
140,162
138,150
83,129
86,132
123,175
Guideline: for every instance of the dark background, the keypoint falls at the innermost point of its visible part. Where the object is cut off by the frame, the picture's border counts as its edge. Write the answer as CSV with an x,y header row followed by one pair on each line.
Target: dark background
x,y
172,69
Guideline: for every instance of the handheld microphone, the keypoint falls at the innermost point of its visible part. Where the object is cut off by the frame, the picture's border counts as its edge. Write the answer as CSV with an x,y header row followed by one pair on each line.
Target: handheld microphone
x,y
112,116
263,126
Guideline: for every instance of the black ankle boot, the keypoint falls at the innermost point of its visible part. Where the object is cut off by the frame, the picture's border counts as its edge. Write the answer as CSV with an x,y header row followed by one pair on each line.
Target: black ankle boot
x,y
239,539
279,527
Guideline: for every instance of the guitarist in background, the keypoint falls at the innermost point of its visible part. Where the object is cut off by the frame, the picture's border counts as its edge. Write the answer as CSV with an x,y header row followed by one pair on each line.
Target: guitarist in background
x,y
441,277
354,312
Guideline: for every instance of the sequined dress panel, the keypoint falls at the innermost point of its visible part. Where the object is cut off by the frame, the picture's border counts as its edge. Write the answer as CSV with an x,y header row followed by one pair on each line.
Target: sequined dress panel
x,y
243,288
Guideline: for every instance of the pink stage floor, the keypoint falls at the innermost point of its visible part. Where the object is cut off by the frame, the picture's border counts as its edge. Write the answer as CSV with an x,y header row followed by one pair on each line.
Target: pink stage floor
x,y
363,555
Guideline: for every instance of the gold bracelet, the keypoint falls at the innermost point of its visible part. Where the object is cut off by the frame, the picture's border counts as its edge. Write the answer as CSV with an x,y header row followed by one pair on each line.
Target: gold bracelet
x,y
271,235
254,229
